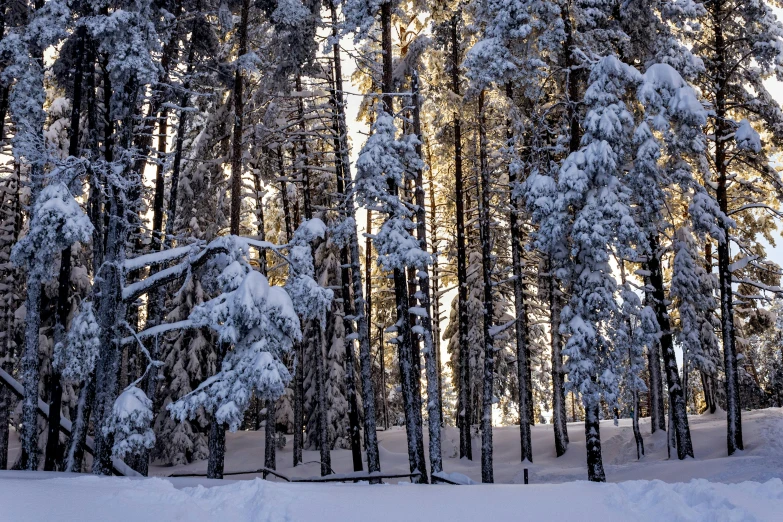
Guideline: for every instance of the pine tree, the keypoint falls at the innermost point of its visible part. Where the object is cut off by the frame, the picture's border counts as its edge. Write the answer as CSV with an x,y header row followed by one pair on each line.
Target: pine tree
x,y
739,44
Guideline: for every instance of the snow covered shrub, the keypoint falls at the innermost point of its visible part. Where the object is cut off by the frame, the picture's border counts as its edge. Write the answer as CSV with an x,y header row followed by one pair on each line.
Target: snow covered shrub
x,y
75,358
130,421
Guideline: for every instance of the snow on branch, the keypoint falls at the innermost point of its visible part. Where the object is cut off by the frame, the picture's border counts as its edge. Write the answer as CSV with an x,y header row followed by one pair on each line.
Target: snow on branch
x,y
260,322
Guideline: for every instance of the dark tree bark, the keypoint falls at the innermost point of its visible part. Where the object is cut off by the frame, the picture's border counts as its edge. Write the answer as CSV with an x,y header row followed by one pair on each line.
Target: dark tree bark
x,y
487,475
676,397
73,461
435,294
464,406
722,135
404,339
637,434
348,303
53,449
595,465
525,419
434,408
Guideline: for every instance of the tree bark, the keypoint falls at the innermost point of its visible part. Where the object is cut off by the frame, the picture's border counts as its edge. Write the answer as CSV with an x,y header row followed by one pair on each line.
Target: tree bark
x,y
434,408
487,475
404,339
521,326
342,167
676,397
64,279
595,466
722,135
464,407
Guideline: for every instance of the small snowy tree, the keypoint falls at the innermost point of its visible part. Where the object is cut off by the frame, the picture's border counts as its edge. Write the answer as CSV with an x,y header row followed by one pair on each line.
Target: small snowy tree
x,y
129,423
75,358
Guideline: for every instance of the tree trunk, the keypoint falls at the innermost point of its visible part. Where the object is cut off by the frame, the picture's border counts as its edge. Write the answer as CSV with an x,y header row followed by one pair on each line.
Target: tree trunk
x,y
435,293
464,409
217,431
348,304
30,362
434,408
53,452
73,462
676,396
111,307
270,437
595,465
520,311
404,340
722,135
558,373
487,475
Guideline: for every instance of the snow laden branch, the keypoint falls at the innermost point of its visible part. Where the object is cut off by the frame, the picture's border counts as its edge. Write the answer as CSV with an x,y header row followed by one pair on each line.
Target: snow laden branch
x,y
195,258
261,323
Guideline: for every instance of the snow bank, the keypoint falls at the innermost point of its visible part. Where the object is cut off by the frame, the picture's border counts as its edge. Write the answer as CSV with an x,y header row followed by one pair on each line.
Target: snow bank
x,y
88,498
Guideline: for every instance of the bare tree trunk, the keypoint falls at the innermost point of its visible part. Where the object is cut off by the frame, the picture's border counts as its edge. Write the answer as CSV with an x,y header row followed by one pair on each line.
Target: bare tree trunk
x,y
558,373
464,406
404,340
435,293
722,135
525,408
676,397
346,266
434,407
595,466
487,475
53,452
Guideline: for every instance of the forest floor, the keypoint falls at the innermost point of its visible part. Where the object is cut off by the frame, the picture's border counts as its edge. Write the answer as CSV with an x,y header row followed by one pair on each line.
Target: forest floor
x,y
746,486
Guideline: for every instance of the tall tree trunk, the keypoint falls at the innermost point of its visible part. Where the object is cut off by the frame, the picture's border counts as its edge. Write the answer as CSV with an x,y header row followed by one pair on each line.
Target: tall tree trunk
x,y
595,466
64,278
217,432
6,350
404,340
487,475
435,294
298,352
676,397
464,406
722,135
112,308
521,326
182,124
73,461
637,434
30,362
434,408
558,373
348,304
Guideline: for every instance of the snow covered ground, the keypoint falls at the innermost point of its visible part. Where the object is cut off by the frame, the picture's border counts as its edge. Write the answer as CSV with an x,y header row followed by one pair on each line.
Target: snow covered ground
x,y
651,489
761,460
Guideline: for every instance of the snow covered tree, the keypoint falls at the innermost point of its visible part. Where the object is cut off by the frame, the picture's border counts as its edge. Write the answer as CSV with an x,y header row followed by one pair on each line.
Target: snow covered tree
x,y
740,45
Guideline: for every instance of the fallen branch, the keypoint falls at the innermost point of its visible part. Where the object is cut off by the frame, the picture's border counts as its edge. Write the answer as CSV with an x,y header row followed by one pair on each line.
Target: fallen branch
x,y
347,477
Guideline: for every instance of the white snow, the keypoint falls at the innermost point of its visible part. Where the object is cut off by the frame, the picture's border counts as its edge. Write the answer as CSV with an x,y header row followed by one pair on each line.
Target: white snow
x,y
761,460
654,488
88,498
747,138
